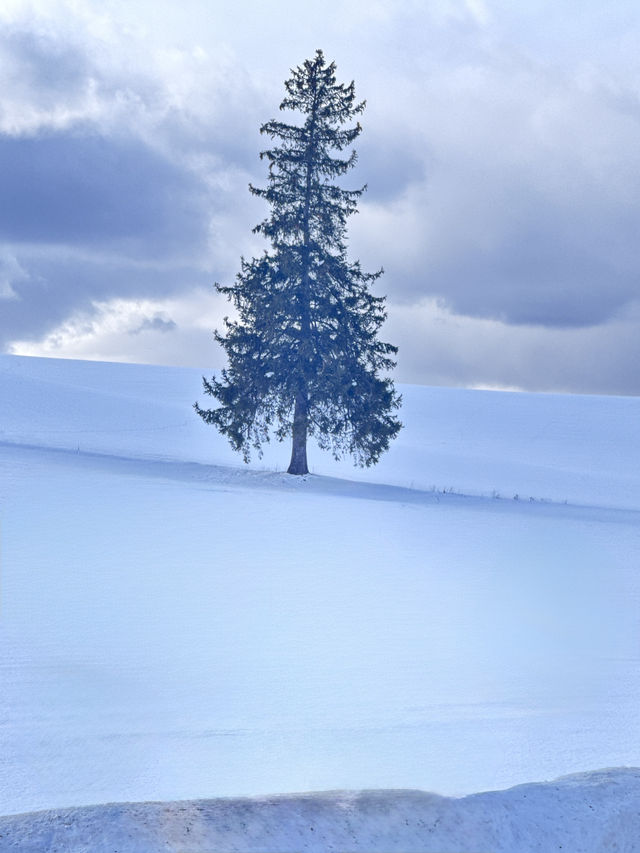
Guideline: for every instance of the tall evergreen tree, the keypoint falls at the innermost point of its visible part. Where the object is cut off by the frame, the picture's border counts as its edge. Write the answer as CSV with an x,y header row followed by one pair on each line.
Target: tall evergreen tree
x,y
303,355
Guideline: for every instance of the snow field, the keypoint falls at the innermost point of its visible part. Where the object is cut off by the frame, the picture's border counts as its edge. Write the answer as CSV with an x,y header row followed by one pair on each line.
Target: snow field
x,y
176,626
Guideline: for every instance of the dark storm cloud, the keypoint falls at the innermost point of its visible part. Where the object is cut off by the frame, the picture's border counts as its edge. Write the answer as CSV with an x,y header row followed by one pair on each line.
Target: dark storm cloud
x,y
527,207
554,257
56,287
112,184
466,351
82,189
537,274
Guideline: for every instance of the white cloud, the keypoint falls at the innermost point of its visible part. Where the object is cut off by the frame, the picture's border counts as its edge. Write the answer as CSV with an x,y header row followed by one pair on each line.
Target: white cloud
x,y
148,331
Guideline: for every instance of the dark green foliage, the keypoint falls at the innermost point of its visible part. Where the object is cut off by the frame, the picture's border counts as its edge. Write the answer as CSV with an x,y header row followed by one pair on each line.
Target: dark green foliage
x,y
303,356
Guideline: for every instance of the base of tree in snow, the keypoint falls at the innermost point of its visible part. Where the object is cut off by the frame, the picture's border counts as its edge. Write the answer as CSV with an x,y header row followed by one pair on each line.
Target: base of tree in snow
x,y
582,813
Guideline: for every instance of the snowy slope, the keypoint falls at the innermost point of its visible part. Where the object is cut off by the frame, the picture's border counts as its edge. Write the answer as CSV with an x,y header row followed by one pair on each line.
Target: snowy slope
x,y
587,813
581,449
175,625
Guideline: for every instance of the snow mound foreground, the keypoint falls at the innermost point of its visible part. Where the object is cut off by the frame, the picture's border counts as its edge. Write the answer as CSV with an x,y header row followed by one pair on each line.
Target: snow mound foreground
x,y
583,813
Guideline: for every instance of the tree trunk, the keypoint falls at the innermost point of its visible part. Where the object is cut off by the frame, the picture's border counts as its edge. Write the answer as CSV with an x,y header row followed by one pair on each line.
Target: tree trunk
x,y
298,464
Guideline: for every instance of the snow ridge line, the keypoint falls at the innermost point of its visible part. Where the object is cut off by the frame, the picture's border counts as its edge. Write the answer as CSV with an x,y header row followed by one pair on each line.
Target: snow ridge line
x,y
216,476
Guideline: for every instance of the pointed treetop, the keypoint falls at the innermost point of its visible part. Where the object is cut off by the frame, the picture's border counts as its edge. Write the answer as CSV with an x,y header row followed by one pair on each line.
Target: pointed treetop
x,y
314,84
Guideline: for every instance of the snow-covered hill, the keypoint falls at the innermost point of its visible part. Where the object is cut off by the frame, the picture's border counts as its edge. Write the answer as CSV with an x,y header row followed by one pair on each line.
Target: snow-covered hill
x,y
580,449
461,618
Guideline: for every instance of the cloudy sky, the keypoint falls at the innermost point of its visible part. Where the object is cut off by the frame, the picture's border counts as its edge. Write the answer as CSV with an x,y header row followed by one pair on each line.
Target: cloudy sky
x,y
501,148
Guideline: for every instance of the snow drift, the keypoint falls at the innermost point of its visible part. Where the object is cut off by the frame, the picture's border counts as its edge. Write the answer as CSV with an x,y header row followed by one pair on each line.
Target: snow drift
x,y
586,813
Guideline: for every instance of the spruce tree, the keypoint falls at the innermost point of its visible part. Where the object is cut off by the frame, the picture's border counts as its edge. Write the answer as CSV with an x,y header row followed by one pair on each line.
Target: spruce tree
x,y
303,355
